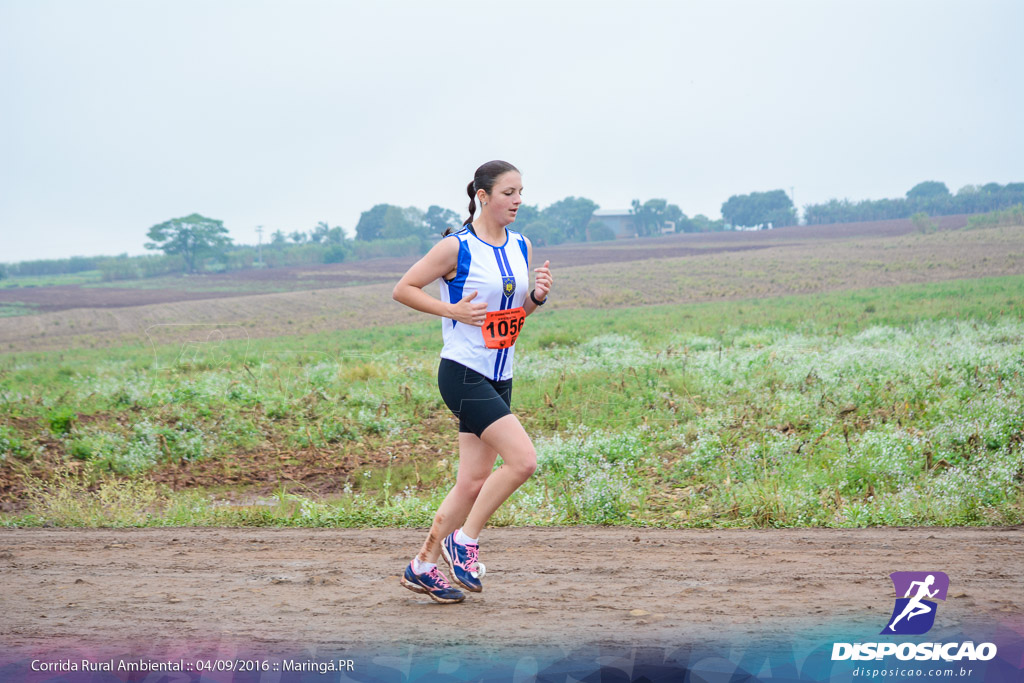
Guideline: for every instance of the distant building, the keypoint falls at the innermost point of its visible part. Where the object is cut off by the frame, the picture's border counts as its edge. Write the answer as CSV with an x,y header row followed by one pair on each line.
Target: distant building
x,y
619,220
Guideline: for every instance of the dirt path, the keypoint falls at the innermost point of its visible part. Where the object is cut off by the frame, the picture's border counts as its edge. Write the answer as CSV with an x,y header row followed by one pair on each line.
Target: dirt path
x,y
281,589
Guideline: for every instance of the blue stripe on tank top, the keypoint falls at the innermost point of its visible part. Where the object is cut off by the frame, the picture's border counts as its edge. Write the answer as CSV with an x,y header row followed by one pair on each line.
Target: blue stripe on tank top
x,y
499,256
508,268
504,357
458,283
499,363
501,263
504,257
506,301
501,307
526,256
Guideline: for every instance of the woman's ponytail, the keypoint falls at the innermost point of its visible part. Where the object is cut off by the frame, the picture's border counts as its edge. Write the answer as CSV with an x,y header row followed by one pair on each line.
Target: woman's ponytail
x,y
471,191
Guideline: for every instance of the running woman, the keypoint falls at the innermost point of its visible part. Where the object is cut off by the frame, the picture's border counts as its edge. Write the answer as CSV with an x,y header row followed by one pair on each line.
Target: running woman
x,y
484,275
915,607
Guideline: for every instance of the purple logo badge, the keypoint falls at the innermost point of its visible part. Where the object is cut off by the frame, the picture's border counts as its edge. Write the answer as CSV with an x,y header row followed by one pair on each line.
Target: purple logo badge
x,y
914,613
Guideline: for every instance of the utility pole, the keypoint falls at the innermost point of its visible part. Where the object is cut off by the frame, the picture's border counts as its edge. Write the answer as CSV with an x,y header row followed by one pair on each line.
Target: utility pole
x,y
792,197
259,231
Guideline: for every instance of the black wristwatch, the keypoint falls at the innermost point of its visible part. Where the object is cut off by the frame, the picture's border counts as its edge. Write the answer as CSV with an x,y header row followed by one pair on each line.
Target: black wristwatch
x,y
534,299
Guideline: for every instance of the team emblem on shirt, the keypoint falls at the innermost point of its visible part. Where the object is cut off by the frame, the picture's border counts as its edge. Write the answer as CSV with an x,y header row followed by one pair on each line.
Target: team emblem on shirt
x,y
508,285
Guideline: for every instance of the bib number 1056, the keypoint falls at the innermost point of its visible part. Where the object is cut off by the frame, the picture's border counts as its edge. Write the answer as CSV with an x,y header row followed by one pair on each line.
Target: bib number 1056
x,y
501,328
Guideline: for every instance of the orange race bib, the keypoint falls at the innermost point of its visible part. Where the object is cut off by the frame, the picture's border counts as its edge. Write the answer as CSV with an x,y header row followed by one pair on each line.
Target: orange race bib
x,y
502,327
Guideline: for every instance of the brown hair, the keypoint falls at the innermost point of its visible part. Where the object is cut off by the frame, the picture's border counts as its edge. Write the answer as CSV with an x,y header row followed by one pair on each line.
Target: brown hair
x,y
483,179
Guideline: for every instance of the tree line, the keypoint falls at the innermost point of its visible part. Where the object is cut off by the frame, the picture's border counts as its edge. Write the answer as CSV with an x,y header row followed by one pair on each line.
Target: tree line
x,y
196,243
930,197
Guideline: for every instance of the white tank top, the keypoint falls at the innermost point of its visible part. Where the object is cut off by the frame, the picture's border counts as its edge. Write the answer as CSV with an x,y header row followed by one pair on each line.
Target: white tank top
x,y
501,277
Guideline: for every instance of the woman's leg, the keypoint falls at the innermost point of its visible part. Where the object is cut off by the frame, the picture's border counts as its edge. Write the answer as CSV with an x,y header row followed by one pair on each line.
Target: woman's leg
x,y
505,436
476,460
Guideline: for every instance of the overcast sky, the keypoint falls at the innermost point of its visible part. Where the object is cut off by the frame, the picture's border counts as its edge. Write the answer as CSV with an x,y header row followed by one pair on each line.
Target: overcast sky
x,y
116,116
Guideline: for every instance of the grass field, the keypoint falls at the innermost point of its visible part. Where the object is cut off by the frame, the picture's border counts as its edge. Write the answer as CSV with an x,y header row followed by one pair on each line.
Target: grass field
x,y
84,277
727,267
893,405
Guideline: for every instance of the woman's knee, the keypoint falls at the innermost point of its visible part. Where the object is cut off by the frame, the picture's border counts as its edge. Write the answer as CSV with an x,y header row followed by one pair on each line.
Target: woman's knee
x,y
469,487
525,464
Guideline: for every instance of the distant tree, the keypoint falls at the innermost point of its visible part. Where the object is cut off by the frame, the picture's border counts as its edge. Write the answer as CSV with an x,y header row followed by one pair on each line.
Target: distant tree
x,y
297,237
845,211
544,234
600,232
3,271
318,235
192,237
371,223
119,267
685,224
649,217
1011,195
644,219
570,216
932,198
636,209
525,215
277,239
929,189
439,219
971,198
336,236
759,208
923,223
704,224
655,209
385,221
413,224
325,234
336,253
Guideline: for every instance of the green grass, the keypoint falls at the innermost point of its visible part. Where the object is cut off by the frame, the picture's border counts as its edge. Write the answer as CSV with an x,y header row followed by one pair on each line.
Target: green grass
x,y
199,284
1013,215
80,278
885,406
8,310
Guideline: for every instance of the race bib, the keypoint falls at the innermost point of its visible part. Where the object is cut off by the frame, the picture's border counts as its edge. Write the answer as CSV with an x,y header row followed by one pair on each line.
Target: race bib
x,y
502,327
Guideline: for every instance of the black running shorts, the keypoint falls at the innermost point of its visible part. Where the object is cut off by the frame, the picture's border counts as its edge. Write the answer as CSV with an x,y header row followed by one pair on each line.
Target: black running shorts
x,y
476,400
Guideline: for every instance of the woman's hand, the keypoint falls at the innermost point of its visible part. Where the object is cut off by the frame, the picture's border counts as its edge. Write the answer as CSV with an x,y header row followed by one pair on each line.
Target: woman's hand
x,y
542,283
465,311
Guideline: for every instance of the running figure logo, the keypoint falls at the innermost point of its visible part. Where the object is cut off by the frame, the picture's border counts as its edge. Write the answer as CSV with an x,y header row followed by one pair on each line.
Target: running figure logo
x,y
914,613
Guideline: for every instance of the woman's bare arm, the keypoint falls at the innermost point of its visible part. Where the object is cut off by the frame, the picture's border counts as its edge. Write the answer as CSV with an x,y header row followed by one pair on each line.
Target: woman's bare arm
x,y
440,261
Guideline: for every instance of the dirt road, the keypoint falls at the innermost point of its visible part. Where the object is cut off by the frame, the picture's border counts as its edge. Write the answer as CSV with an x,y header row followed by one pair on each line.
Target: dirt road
x,y
282,589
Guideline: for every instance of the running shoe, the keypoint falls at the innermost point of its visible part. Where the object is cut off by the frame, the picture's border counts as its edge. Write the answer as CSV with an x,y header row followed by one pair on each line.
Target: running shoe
x,y
433,584
464,562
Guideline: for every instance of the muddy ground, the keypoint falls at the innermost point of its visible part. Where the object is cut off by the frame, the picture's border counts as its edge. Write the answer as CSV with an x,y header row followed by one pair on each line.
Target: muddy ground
x,y
282,589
